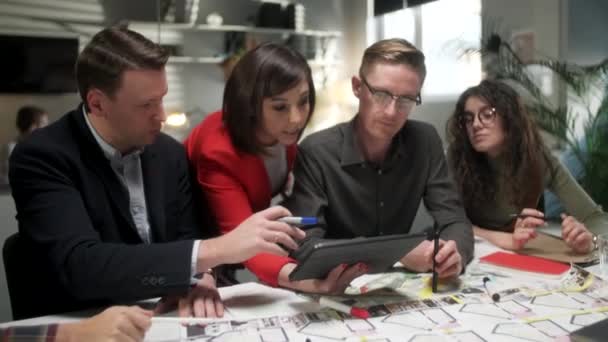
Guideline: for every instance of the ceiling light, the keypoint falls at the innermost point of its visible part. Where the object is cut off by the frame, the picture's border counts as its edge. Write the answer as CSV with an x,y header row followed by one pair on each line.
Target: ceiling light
x,y
176,119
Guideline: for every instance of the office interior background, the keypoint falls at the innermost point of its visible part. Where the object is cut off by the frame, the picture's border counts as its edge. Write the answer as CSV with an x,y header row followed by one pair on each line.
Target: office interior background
x,y
205,36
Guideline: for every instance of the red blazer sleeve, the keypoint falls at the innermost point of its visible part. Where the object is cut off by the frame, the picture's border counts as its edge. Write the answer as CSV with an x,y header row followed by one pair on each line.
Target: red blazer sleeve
x,y
235,186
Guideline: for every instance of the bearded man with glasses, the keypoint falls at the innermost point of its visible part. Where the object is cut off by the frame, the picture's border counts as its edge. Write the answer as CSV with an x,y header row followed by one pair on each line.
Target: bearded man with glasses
x,y
367,177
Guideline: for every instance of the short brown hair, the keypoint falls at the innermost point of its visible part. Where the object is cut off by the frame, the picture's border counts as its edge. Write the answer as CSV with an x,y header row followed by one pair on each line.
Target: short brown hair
x,y
394,51
268,70
110,53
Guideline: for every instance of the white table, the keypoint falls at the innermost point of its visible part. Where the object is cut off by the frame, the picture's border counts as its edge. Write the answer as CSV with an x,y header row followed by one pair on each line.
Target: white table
x,y
248,303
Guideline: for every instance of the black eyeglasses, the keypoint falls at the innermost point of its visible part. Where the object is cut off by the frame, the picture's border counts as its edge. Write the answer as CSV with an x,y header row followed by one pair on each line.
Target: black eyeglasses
x,y
384,98
486,116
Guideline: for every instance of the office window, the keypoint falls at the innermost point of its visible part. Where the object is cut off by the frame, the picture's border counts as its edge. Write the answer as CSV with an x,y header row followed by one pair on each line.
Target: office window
x,y
442,30
401,24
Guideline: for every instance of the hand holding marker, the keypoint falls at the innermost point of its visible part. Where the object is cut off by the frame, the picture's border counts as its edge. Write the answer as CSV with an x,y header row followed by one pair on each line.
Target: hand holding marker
x,y
529,213
299,222
524,226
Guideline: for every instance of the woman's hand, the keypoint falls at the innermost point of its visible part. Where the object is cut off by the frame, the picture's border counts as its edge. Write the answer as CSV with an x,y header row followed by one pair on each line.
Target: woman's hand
x,y
576,235
448,261
525,227
202,300
116,324
335,283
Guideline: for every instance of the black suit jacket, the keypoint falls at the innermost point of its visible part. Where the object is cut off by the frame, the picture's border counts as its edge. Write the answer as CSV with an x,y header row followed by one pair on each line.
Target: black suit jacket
x,y
75,222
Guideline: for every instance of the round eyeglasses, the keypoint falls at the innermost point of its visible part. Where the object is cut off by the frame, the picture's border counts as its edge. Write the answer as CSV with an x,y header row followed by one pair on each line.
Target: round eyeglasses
x,y
383,98
486,117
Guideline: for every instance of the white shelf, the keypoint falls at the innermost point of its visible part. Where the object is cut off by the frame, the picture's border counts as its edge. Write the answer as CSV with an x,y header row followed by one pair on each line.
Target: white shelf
x,y
324,63
217,60
145,26
195,60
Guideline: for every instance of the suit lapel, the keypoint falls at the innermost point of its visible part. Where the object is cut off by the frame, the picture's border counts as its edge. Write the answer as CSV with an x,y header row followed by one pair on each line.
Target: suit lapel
x,y
97,163
118,194
153,188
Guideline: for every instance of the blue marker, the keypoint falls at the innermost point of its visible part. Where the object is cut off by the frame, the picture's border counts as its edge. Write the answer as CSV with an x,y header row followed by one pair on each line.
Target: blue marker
x,y
299,221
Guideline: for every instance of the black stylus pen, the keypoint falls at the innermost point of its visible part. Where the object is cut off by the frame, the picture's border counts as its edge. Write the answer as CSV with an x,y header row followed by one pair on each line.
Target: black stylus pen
x,y
435,276
525,216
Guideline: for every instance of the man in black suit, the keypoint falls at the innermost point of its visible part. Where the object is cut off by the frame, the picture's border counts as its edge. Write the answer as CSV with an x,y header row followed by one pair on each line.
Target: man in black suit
x,y
104,198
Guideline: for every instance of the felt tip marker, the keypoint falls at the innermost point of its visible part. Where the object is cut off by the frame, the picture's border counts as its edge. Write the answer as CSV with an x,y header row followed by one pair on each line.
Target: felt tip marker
x,y
299,221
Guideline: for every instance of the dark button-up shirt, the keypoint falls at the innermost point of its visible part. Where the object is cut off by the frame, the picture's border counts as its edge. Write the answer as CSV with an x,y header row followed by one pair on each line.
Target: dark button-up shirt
x,y
357,198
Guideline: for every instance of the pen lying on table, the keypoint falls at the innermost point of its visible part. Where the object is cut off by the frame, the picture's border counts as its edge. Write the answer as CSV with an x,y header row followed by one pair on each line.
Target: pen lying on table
x,y
351,310
338,306
188,320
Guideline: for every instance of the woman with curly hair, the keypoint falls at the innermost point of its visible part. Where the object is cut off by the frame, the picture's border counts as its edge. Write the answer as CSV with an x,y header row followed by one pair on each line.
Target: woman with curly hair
x,y
501,166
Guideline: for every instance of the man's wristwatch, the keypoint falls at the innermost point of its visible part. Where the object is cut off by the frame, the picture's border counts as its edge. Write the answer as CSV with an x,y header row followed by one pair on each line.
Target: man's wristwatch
x,y
195,278
595,243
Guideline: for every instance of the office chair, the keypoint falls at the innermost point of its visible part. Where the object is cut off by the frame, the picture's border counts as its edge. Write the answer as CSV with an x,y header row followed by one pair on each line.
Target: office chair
x,y
15,261
30,291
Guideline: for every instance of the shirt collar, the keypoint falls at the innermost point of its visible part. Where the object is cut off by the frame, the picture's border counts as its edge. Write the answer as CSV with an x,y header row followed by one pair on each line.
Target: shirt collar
x,y
110,152
352,153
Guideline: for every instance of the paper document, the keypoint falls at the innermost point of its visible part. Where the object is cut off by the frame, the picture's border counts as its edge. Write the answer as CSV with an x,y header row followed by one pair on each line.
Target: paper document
x,y
550,247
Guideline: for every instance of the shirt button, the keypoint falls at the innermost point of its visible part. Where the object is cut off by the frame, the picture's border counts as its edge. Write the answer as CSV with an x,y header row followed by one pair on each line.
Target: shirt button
x,y
381,204
380,172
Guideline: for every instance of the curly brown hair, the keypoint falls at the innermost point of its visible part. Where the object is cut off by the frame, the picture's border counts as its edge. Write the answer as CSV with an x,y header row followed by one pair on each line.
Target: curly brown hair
x,y
524,161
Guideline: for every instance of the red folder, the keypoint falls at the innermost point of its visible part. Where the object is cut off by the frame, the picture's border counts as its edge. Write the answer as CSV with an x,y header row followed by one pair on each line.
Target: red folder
x,y
525,263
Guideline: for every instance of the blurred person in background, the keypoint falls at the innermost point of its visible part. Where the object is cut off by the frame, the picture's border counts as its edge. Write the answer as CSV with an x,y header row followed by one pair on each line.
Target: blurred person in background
x,y
29,118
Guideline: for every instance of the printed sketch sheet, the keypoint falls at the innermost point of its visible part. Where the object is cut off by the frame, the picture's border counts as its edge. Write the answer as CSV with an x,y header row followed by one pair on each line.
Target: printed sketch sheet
x,y
404,309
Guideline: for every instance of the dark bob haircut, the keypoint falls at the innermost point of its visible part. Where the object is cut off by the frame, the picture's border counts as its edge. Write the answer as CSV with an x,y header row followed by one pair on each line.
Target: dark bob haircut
x,y
268,70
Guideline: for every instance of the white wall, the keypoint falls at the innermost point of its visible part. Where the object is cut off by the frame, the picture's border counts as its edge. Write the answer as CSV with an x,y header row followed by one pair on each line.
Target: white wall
x,y
436,112
544,18
568,30
587,28
539,16
586,44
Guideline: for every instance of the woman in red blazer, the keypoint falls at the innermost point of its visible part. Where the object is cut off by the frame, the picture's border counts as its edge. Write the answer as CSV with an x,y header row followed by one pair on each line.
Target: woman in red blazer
x,y
243,155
